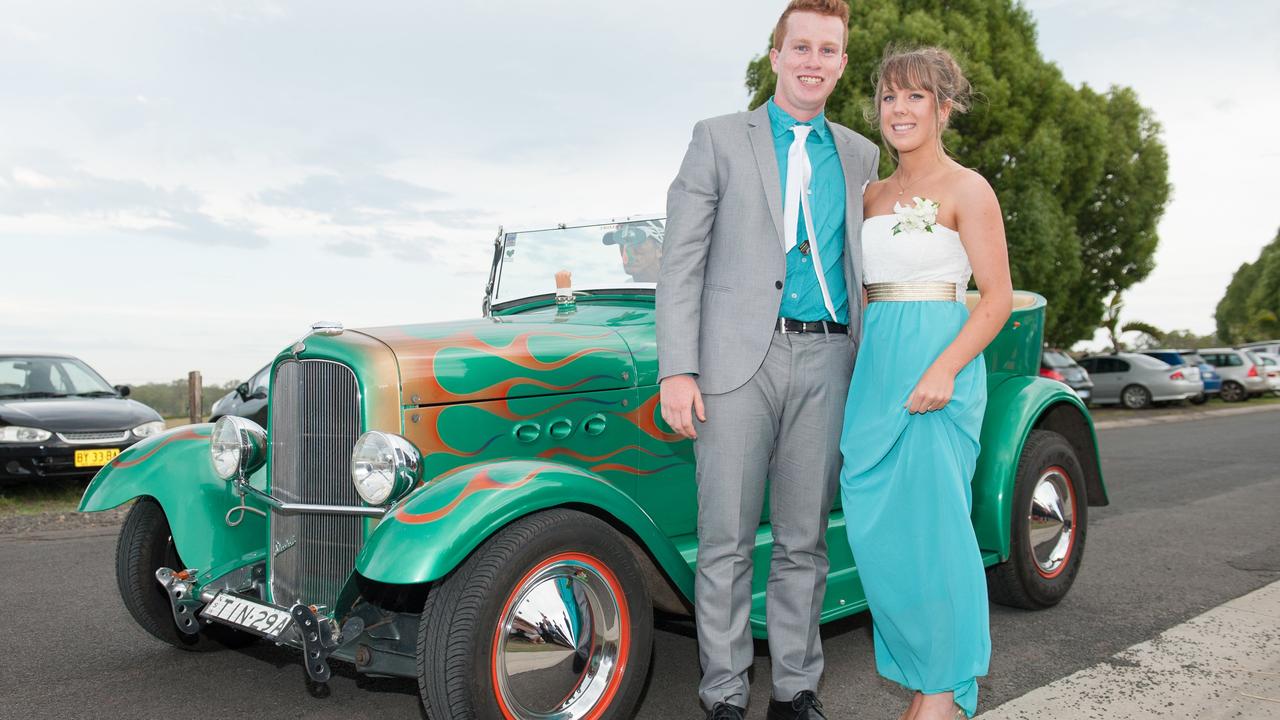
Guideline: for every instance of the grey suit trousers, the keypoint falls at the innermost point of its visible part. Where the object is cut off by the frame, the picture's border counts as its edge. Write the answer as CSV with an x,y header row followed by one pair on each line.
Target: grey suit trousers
x,y
783,426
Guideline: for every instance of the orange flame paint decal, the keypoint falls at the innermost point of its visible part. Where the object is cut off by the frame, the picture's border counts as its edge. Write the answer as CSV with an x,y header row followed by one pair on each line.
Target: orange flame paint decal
x,y
547,454
184,435
481,481
502,408
422,370
645,418
608,467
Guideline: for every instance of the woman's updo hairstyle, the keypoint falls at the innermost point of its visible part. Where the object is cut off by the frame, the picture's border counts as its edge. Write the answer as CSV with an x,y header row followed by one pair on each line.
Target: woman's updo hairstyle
x,y
925,68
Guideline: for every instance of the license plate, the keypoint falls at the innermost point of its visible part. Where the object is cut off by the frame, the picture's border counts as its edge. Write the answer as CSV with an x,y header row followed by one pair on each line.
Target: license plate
x,y
95,458
255,616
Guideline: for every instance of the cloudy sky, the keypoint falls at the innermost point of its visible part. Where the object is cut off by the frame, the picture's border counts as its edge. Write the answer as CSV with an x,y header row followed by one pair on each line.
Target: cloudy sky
x,y
188,185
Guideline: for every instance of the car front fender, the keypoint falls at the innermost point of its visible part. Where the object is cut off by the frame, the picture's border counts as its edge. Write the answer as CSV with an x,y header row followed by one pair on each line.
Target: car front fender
x,y
429,533
173,468
1016,405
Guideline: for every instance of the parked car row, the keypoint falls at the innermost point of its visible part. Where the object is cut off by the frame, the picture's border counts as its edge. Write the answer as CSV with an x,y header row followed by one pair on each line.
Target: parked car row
x,y
1140,379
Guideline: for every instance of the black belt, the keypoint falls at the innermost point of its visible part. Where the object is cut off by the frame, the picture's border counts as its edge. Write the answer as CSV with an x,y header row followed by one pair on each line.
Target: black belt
x,y
787,325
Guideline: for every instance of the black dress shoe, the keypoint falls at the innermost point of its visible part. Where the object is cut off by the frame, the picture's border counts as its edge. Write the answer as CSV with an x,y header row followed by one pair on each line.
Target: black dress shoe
x,y
804,706
725,711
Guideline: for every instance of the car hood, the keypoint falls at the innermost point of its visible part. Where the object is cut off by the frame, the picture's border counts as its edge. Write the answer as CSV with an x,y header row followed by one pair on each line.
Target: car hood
x,y
490,358
76,414
221,405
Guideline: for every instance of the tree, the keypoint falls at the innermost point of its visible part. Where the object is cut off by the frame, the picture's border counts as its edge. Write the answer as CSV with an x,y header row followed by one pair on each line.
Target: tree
x,y
1111,321
1149,336
1186,339
1250,308
1081,175
170,399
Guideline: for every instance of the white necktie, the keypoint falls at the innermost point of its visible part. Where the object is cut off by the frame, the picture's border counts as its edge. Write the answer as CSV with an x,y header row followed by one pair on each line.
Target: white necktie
x,y
796,200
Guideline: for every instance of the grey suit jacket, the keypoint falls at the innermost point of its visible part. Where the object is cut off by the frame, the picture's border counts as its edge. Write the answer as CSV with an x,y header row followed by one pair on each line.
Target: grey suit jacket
x,y
723,263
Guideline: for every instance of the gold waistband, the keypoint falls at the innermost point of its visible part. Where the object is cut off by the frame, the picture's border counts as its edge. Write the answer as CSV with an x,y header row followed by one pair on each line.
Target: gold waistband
x,y
911,291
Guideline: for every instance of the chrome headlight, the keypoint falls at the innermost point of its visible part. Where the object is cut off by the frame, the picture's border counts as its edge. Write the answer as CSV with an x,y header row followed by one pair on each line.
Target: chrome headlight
x,y
154,427
19,434
238,447
384,467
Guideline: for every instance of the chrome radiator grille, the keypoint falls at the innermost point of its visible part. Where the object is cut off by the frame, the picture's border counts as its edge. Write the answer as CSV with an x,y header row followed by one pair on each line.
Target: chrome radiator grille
x,y
315,421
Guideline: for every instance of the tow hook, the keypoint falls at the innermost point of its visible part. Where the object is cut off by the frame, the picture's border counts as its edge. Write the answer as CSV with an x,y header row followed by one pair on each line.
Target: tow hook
x,y
178,585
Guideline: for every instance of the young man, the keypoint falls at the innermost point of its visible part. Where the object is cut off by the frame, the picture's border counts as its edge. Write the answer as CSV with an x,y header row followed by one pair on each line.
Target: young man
x,y
759,304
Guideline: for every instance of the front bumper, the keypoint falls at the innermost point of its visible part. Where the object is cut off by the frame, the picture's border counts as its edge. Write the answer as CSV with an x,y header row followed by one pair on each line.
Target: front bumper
x,y
377,640
51,459
315,634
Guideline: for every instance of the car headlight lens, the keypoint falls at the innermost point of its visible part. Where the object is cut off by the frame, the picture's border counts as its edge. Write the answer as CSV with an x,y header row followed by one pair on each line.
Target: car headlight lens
x,y
19,434
154,427
238,447
384,467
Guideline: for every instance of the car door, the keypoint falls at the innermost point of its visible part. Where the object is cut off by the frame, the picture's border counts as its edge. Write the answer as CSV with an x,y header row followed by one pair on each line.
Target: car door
x,y
1104,390
1123,373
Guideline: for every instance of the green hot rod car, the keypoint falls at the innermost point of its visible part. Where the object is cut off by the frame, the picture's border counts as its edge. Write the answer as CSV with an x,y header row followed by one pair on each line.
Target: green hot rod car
x,y
495,507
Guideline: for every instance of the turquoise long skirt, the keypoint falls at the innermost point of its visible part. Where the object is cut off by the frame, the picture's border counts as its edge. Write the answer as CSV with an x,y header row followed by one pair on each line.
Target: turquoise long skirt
x,y
907,495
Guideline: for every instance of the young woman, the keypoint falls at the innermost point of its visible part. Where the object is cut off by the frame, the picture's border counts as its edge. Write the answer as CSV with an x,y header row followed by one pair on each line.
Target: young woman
x,y
914,412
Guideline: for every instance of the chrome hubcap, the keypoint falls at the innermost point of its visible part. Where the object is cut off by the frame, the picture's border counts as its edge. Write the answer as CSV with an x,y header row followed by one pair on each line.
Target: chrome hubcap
x,y
561,642
1052,521
1135,397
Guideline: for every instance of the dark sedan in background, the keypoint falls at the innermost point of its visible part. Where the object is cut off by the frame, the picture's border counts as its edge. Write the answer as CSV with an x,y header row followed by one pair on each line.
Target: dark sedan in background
x,y
249,400
1057,365
60,418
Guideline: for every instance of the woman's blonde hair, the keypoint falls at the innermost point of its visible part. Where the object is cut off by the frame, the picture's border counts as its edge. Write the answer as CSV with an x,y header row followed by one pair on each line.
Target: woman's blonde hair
x,y
924,68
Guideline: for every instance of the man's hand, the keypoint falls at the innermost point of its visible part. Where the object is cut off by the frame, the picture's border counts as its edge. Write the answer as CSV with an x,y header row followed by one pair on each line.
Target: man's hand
x,y
681,398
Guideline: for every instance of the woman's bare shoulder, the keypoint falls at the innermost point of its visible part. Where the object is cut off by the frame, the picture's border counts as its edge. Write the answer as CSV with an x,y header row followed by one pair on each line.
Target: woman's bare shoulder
x,y
873,192
970,188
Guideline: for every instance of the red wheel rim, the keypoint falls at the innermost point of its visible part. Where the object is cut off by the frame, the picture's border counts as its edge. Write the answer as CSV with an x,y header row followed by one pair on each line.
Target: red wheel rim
x,y
1051,527
561,645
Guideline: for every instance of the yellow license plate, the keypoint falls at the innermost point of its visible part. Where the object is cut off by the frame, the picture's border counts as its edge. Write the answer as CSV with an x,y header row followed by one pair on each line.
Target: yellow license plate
x,y
95,458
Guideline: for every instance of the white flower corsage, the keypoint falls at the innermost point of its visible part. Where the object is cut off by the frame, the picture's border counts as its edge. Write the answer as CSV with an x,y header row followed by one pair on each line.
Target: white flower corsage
x,y
923,216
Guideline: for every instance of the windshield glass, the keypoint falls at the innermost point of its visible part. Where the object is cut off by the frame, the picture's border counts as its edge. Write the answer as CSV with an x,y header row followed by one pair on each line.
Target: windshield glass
x,y
1055,359
1149,362
621,255
1170,358
49,377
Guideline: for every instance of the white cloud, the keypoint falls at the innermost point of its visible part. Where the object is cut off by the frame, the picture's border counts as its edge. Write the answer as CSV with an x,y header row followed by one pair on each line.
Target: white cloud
x,y
355,161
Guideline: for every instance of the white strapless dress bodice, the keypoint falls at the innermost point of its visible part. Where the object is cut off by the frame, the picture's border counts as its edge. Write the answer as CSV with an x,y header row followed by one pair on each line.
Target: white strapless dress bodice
x,y
913,255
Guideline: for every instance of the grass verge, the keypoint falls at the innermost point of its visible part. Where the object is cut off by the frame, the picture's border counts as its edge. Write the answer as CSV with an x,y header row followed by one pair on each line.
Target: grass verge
x,y
43,496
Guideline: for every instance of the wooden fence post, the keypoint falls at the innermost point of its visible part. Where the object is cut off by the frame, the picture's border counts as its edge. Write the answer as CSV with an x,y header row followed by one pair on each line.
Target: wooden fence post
x,y
195,402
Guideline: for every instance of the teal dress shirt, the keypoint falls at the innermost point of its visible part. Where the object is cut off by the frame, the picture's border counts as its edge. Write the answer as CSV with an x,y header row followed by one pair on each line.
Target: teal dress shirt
x,y
801,294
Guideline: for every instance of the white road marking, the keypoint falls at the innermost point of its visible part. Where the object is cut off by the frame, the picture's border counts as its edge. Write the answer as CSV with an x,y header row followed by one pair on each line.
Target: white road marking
x,y
1222,664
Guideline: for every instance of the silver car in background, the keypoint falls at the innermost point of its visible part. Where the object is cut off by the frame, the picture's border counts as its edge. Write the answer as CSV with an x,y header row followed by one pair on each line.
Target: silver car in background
x,y
1242,377
1136,381
1270,366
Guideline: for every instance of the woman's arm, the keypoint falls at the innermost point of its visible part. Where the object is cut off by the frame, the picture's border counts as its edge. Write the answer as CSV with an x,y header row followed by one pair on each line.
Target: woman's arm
x,y
981,227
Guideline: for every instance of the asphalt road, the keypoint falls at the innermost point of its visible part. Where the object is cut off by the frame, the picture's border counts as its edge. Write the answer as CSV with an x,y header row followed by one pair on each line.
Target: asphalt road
x,y
1192,524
